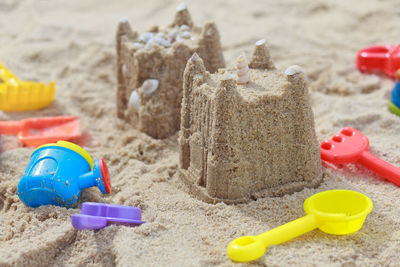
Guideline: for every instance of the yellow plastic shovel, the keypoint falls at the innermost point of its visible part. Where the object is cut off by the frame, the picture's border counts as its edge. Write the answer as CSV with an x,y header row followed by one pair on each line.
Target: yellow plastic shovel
x,y
16,95
336,212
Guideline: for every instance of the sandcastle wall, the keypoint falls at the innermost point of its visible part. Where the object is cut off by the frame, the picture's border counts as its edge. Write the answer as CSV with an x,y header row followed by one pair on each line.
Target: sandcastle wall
x,y
159,112
239,142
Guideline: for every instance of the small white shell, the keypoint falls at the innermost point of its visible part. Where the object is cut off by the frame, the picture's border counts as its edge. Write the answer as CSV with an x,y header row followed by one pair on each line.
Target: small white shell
x,y
182,6
261,42
145,37
162,41
242,70
178,38
161,35
294,69
149,44
227,76
185,35
194,57
134,101
137,45
173,33
184,27
149,86
123,20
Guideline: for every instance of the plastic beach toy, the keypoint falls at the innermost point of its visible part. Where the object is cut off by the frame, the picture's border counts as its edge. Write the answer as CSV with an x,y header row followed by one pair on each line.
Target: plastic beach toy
x,y
394,102
38,131
96,215
16,95
57,173
352,146
384,58
336,212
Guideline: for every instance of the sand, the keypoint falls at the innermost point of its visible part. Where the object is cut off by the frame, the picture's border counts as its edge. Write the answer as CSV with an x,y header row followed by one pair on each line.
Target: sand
x,y
73,43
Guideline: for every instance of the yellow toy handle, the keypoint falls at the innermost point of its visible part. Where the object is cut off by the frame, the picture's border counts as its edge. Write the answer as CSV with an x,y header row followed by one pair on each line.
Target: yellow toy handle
x,y
7,76
289,230
249,248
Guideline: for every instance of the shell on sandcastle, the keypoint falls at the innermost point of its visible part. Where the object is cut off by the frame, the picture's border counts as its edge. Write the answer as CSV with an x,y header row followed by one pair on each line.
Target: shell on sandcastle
x,y
242,67
149,87
160,55
241,142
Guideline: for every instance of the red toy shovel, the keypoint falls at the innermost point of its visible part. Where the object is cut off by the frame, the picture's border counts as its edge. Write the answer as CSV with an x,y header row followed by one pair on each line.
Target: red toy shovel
x,y
38,131
352,146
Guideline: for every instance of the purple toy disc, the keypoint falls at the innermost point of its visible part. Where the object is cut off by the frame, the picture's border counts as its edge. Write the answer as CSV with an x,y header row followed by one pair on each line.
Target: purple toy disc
x,y
96,215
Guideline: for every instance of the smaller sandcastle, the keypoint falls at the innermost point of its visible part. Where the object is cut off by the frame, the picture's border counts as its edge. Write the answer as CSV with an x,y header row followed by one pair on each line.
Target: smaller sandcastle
x,y
242,138
150,70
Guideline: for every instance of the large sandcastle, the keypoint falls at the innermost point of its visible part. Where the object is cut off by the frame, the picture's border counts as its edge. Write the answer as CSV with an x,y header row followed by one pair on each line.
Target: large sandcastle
x,y
150,70
241,142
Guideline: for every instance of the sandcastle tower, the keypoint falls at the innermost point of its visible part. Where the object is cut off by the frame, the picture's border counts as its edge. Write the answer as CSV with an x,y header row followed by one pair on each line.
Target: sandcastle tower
x,y
243,141
160,56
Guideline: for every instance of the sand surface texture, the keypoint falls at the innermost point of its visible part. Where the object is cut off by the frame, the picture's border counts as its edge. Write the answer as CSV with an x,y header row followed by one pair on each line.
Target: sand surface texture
x,y
72,42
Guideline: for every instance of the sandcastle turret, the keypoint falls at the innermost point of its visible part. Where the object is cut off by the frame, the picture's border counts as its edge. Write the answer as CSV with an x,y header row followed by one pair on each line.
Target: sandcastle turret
x,y
210,47
160,55
261,58
123,31
182,16
243,141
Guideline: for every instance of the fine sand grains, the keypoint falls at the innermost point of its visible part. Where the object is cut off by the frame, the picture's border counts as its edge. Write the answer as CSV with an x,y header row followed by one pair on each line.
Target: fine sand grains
x,y
72,42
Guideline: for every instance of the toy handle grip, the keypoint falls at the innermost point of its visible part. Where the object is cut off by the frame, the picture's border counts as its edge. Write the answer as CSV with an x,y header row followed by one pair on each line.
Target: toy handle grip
x,y
381,167
289,230
11,127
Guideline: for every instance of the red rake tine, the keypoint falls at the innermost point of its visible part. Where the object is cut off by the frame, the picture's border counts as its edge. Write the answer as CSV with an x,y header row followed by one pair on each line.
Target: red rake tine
x,y
351,146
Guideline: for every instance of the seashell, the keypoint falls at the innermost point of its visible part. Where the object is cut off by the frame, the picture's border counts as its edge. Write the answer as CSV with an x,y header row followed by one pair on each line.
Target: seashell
x,y
174,32
227,76
162,41
149,44
293,70
194,57
185,35
242,70
182,6
145,37
261,42
178,38
161,35
137,45
123,20
149,86
134,101
184,27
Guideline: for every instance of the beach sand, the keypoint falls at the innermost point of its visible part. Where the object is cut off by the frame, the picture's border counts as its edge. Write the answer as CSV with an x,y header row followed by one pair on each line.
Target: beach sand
x,y
73,43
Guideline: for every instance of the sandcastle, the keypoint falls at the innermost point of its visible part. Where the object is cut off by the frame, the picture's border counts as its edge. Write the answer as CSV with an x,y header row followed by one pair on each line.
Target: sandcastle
x,y
243,141
160,57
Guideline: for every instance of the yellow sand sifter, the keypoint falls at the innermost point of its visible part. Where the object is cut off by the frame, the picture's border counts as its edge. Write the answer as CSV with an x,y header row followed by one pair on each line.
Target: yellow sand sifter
x,y
16,95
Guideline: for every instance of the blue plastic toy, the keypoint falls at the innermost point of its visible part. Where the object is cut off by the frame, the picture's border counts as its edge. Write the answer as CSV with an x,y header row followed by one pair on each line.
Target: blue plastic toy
x,y
57,173
394,102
